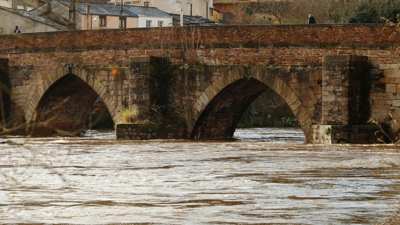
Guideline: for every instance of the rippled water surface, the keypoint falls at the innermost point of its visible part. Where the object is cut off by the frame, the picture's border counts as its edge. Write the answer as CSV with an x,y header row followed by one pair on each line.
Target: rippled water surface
x,y
266,176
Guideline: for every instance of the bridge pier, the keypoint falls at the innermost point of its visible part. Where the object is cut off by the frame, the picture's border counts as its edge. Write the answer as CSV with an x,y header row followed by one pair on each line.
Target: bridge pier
x,y
139,78
345,101
149,77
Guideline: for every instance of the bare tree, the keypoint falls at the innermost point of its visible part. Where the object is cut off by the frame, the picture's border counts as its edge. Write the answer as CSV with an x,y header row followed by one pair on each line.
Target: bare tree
x,y
240,14
277,8
299,11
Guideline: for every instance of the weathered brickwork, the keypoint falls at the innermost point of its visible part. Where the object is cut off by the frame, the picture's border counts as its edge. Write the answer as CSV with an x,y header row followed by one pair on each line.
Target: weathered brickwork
x,y
287,59
290,45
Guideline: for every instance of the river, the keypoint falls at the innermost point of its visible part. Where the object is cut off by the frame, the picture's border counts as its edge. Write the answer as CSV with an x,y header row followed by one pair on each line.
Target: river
x,y
265,176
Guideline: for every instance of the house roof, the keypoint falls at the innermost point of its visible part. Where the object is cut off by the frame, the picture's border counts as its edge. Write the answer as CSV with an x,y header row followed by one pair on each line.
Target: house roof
x,y
192,20
36,18
108,9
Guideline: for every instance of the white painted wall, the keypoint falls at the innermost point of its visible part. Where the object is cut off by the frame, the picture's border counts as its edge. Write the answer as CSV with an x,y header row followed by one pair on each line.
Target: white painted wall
x,y
111,23
167,22
6,3
199,7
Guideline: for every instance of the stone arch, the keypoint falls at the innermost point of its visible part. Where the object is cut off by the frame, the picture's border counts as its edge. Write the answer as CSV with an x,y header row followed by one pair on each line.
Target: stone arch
x,y
80,77
261,79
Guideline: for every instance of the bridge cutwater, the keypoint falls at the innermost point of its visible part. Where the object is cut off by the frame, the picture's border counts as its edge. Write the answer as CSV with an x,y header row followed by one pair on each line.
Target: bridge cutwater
x,y
334,78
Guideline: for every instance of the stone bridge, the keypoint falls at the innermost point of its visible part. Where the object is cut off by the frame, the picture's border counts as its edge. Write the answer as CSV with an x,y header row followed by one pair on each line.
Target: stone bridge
x,y
203,78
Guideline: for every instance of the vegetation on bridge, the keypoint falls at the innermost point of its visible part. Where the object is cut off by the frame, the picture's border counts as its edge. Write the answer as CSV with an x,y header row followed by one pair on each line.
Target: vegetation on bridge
x,y
325,11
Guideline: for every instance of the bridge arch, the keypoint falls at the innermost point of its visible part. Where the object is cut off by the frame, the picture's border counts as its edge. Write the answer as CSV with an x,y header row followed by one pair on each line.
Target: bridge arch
x,y
76,88
219,108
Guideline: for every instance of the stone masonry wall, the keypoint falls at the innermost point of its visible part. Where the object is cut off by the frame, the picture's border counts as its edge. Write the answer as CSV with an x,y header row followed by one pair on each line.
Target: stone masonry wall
x,y
385,97
128,131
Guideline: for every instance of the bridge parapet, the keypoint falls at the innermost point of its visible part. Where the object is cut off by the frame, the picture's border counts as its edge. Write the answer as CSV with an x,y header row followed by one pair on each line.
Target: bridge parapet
x,y
255,44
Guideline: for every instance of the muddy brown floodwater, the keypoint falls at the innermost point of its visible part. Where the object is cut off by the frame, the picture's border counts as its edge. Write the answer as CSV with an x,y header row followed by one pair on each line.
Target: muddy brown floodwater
x,y
267,176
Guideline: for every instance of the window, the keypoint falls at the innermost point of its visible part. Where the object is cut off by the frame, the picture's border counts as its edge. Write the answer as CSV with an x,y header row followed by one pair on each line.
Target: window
x,y
102,21
160,23
122,22
189,1
148,23
178,1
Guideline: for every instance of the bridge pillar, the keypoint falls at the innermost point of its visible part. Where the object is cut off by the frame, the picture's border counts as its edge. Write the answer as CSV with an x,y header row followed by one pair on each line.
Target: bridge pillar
x,y
345,101
341,90
335,82
149,80
139,93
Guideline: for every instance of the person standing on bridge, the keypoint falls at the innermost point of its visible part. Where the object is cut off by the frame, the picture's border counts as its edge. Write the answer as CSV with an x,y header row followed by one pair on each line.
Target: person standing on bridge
x,y
311,19
17,30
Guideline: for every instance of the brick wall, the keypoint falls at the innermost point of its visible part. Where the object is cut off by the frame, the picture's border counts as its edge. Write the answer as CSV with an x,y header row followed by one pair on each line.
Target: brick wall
x,y
283,45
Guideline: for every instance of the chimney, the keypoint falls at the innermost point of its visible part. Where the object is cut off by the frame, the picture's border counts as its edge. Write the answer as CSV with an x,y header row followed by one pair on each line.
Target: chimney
x,y
146,3
72,11
88,20
122,4
181,18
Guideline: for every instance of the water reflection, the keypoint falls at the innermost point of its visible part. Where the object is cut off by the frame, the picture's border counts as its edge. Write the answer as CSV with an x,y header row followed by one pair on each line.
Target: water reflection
x,y
97,180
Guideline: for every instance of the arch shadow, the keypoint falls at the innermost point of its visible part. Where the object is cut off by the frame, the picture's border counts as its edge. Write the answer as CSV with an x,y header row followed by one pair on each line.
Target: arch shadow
x,y
63,107
222,114
218,117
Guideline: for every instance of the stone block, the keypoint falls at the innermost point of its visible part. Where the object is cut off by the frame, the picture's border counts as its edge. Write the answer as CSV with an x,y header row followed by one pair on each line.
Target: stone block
x,y
388,102
389,66
204,99
40,90
143,59
218,84
209,92
396,103
391,88
198,107
395,73
390,80
389,96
